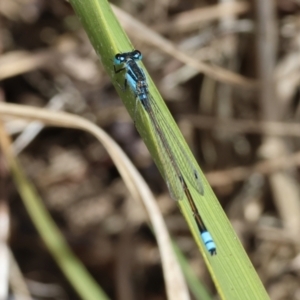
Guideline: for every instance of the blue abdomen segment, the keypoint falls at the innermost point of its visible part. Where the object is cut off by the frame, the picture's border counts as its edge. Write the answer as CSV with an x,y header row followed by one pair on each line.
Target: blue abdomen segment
x,y
209,242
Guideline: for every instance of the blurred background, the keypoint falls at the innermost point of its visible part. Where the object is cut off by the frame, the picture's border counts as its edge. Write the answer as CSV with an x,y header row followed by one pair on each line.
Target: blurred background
x,y
244,136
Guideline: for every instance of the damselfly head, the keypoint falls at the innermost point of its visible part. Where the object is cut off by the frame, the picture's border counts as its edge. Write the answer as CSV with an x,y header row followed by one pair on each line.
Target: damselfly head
x,y
122,58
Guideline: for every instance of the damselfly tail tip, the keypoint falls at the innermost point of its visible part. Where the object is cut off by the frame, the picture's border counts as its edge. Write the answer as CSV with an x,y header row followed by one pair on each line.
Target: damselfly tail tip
x,y
209,243
213,251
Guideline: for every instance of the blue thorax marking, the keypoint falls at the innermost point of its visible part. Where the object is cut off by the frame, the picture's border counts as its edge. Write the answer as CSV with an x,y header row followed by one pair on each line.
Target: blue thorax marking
x,y
137,80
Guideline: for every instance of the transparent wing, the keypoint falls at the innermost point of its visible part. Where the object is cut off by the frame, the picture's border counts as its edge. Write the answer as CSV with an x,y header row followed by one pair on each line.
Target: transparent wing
x,y
169,166
186,166
181,157
170,174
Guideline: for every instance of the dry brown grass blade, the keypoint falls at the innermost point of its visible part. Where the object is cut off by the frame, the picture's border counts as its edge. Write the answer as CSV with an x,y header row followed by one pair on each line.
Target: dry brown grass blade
x,y
4,251
190,20
175,284
283,183
143,33
17,281
225,177
19,62
245,126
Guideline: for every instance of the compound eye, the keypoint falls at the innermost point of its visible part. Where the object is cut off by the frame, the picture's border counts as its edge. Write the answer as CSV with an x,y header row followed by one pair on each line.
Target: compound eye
x,y
119,58
137,54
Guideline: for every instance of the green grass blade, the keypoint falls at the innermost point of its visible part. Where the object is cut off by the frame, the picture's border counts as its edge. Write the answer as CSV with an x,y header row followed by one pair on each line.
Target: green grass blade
x,y
231,269
73,269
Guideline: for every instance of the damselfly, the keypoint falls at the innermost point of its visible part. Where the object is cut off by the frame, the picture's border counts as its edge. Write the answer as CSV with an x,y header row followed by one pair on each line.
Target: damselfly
x,y
177,166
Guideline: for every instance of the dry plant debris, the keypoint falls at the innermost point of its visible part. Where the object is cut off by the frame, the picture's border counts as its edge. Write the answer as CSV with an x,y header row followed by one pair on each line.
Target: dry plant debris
x,y
245,137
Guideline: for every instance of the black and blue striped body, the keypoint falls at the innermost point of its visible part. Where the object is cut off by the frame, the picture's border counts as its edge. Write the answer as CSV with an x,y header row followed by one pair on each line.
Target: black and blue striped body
x,y
137,81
